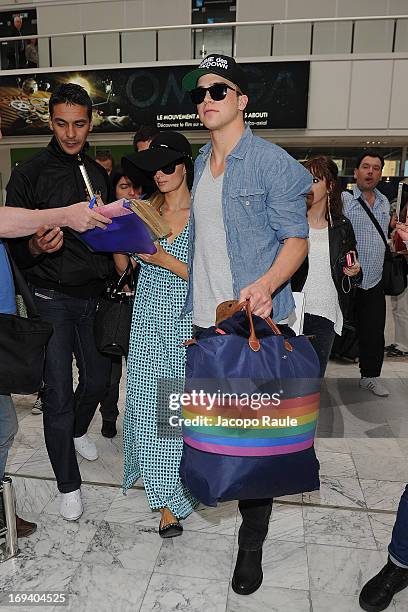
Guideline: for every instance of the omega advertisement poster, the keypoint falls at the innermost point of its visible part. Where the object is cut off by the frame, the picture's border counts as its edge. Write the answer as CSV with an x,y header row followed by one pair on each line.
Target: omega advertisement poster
x,y
124,98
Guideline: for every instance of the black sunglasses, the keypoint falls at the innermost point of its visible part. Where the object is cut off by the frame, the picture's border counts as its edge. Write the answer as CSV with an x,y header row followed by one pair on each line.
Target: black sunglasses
x,y
169,168
217,91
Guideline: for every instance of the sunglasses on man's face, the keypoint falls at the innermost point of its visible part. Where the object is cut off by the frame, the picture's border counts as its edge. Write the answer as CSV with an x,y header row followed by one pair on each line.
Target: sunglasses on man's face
x,y
217,91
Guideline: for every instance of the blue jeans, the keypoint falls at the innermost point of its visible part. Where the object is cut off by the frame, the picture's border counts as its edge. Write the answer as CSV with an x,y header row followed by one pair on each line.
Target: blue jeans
x,y
68,414
324,333
8,429
398,548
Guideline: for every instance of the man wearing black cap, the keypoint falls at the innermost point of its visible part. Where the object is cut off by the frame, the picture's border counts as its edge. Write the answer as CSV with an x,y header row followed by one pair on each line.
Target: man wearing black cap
x,y
248,234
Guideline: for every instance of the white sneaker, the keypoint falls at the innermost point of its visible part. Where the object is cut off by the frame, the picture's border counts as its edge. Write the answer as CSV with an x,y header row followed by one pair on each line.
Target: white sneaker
x,y
374,385
86,448
71,505
38,406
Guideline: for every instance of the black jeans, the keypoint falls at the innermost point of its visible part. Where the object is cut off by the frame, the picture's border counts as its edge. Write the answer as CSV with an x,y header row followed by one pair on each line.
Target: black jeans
x,y
255,513
255,522
109,404
324,333
67,414
370,318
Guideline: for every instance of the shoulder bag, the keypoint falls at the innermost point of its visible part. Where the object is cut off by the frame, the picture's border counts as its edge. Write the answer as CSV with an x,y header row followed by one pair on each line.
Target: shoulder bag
x,y
22,344
395,268
114,315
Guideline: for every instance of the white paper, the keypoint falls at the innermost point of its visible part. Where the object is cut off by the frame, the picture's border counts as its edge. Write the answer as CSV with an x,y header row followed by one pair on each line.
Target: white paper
x,y
296,318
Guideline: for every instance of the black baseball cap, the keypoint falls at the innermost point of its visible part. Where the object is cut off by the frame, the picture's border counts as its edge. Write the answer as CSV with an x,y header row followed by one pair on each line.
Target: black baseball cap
x,y
224,66
164,149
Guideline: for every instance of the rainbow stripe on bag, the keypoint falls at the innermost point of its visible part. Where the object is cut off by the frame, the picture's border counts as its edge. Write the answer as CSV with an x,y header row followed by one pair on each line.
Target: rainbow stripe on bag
x,y
272,430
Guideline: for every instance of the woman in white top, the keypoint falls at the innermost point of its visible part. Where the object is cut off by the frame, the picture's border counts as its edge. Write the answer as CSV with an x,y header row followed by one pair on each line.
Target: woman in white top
x,y
331,268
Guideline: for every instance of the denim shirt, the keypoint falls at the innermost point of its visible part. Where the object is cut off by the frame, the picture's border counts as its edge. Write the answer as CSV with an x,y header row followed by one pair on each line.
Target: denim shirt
x,y
264,203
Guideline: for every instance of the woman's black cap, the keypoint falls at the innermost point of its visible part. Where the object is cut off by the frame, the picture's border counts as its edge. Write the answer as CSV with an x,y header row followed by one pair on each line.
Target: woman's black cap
x,y
164,149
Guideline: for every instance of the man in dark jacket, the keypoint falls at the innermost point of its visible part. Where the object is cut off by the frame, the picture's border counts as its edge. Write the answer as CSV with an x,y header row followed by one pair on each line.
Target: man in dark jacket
x,y
66,280
16,50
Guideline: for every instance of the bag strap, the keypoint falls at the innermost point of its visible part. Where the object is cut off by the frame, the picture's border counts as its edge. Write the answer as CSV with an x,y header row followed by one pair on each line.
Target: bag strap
x,y
375,222
22,287
131,272
227,309
253,342
122,280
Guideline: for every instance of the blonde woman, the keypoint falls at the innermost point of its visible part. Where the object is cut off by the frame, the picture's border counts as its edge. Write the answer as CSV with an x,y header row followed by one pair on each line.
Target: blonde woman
x,y
156,356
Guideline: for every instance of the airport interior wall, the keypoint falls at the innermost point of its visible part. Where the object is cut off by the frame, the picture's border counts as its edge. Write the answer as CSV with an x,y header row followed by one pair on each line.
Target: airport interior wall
x,y
352,98
73,16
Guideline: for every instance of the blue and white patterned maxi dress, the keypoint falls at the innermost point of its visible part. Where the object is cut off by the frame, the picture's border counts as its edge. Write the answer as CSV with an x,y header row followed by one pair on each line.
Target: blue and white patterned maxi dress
x,y
155,355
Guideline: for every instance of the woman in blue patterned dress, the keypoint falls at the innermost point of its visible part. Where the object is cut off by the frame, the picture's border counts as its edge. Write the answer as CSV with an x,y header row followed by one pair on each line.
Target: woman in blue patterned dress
x,y
152,449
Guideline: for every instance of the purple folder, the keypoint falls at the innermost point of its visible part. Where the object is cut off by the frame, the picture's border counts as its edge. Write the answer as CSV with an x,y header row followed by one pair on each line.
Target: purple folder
x,y
126,234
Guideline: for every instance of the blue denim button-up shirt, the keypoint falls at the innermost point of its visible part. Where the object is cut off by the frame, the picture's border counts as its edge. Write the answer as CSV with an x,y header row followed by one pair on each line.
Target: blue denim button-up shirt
x,y
264,203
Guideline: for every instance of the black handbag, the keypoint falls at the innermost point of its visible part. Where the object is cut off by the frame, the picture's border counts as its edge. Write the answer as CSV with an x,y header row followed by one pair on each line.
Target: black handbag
x,y
114,315
395,268
22,344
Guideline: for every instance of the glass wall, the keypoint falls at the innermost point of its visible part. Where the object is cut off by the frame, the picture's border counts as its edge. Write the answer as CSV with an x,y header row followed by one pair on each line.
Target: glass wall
x,y
217,40
345,158
15,24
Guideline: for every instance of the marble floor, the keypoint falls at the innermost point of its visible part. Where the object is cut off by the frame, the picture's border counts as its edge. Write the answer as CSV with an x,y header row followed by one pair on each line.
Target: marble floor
x,y
321,546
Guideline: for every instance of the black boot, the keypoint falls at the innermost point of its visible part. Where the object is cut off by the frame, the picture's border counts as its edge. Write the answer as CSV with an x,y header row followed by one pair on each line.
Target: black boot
x,y
109,429
377,594
24,528
248,574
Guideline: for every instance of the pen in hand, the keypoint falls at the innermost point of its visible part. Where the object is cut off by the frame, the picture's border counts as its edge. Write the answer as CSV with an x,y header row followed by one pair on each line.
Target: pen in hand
x,y
92,202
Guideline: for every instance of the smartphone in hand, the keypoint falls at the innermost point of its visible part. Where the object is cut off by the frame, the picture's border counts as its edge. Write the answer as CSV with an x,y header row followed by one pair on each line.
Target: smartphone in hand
x,y
350,259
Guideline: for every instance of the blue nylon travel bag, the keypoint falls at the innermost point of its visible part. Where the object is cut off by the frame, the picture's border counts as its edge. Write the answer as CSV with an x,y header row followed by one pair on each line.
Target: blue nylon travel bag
x,y
233,447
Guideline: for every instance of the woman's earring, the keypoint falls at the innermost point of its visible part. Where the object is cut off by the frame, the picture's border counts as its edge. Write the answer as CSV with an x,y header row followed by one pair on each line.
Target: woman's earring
x,y
328,209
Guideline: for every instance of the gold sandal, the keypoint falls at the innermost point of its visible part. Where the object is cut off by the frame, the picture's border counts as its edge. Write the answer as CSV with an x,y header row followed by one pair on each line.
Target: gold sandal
x,y
170,530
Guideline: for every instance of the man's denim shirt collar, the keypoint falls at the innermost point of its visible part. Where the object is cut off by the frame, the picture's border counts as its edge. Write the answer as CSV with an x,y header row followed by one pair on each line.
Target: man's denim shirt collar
x,y
238,151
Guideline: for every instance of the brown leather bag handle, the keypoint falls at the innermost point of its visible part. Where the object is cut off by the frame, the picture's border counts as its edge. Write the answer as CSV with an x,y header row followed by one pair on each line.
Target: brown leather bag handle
x,y
229,308
253,341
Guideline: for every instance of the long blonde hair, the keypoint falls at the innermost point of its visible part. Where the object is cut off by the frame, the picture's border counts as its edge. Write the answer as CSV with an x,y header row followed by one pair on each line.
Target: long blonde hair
x,y
157,200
